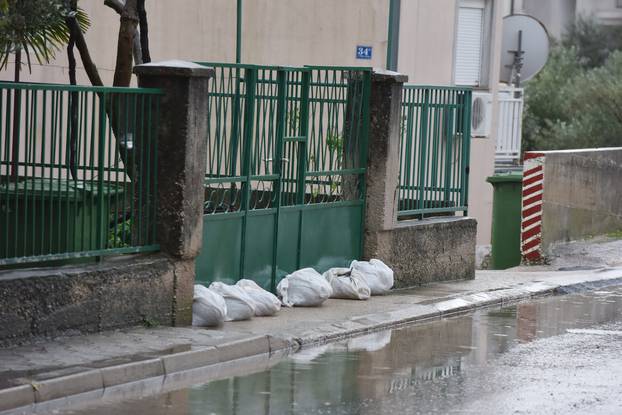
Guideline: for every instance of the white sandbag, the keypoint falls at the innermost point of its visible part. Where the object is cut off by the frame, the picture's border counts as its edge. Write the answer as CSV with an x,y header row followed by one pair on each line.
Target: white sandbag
x,y
266,303
304,288
239,305
377,275
348,284
208,307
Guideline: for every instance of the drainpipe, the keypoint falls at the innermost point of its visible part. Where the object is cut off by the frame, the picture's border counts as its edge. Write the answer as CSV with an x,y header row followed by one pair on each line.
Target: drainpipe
x,y
394,34
238,33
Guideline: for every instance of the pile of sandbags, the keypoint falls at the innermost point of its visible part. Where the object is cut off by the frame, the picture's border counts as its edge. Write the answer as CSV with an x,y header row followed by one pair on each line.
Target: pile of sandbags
x,y
266,303
239,305
208,307
347,284
361,280
221,302
377,275
304,288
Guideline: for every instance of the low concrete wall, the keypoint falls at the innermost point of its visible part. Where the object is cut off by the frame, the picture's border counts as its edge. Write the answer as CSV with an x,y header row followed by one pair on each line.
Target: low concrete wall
x,y
582,195
118,292
431,250
126,291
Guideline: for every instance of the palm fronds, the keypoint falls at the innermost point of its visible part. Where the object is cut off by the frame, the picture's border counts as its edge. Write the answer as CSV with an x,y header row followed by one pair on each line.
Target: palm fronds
x,y
36,27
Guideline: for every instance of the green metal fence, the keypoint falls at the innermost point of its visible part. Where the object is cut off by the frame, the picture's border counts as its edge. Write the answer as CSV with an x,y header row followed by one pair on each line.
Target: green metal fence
x,y
284,145
77,171
434,151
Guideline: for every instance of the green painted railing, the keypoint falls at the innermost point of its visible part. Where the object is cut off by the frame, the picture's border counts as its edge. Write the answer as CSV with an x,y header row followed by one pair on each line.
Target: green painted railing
x,y
434,151
297,132
77,171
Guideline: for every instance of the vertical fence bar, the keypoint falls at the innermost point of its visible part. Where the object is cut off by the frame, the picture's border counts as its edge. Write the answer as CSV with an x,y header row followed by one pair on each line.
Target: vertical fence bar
x,y
303,131
5,164
250,76
364,137
101,142
281,119
464,185
423,137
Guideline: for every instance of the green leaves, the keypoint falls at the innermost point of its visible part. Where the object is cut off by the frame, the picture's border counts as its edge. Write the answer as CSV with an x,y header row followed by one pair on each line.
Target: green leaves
x,y
576,100
593,42
36,27
570,106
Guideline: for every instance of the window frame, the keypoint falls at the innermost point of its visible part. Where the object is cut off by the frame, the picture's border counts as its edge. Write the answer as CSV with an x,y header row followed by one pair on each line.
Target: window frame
x,y
484,81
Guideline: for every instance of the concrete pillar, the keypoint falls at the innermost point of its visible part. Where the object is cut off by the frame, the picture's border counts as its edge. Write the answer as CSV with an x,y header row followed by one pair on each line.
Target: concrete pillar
x,y
181,168
383,158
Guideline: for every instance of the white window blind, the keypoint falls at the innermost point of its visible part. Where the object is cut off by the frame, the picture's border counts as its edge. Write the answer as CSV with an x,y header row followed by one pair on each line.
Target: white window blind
x,y
469,43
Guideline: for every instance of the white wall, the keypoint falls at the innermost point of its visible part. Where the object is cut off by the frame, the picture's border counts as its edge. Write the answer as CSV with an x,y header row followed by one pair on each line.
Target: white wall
x,y
297,32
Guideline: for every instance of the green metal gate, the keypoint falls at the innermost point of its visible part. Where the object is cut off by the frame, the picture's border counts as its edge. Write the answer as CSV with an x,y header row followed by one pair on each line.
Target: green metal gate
x,y
285,180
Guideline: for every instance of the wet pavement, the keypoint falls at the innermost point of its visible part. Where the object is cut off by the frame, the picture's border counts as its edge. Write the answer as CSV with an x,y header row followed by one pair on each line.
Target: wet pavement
x,y
554,355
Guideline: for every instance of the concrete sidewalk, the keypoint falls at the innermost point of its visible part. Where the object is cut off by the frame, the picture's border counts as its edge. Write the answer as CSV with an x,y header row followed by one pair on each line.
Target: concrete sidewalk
x,y
54,369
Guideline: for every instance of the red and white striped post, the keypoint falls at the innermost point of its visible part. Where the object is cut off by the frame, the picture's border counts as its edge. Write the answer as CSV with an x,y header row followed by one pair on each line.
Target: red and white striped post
x,y
531,223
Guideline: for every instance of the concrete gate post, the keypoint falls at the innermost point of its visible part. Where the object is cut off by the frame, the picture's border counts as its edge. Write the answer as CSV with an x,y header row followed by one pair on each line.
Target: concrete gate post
x,y
181,162
383,162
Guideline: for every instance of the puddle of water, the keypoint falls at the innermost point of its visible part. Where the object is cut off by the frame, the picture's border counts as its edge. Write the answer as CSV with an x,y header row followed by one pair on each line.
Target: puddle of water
x,y
423,368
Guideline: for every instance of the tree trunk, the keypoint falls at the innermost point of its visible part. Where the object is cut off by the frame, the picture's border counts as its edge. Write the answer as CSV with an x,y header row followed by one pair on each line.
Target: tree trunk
x,y
129,22
144,32
136,49
85,56
74,96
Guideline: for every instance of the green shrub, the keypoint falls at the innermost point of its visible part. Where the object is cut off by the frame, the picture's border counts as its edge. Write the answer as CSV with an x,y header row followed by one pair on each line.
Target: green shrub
x,y
576,100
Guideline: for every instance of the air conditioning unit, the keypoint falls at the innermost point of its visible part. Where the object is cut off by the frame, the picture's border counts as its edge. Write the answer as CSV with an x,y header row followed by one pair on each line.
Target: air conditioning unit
x,y
481,114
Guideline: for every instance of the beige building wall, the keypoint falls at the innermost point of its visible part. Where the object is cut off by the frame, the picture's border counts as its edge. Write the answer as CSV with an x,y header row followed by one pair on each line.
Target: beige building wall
x,y
555,15
314,32
280,32
298,32
427,37
483,149
604,11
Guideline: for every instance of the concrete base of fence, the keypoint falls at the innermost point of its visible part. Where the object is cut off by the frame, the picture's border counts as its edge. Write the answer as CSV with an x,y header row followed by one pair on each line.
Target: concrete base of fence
x,y
118,292
423,251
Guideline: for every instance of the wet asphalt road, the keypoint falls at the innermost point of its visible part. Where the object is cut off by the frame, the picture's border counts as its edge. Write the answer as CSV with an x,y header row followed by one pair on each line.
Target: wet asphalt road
x,y
578,372
556,355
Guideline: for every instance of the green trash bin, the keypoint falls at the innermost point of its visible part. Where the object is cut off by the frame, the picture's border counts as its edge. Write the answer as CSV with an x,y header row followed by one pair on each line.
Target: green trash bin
x,y
54,216
506,219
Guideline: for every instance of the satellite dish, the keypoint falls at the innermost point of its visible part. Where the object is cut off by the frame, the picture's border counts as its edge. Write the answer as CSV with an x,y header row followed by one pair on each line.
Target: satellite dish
x,y
524,48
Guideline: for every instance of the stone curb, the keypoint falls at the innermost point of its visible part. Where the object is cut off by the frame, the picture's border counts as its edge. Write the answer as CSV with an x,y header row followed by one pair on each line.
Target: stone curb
x,y
100,379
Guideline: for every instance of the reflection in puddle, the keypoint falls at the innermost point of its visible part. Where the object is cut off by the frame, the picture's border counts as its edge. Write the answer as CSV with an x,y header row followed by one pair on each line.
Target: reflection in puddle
x,y
422,367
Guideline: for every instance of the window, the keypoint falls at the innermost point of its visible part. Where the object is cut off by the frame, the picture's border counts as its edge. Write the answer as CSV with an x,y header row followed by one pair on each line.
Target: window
x,y
619,4
471,43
